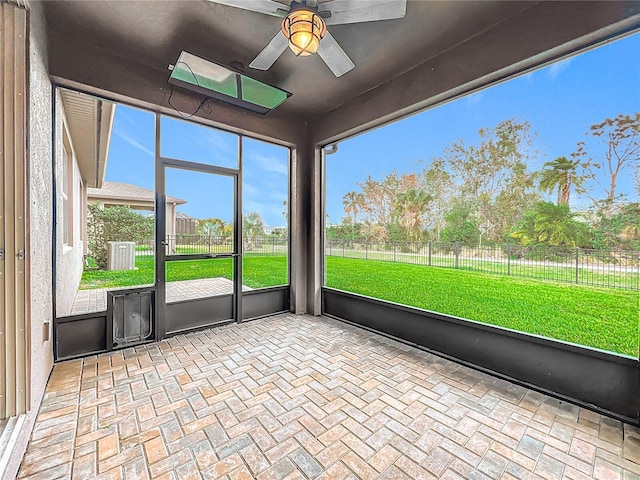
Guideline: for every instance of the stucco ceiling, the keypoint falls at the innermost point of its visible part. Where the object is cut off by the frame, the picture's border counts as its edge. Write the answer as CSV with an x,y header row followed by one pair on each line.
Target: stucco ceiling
x,y
438,46
154,33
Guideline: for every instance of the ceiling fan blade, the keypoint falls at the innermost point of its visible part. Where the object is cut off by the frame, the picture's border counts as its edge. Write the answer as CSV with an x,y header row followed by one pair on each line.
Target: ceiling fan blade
x,y
357,11
334,56
271,52
268,7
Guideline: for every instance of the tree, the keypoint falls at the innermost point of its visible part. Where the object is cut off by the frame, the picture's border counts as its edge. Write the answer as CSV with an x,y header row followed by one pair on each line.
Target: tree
x,y
552,225
562,174
378,203
619,229
631,231
345,232
492,177
437,182
619,139
379,196
461,227
353,203
213,230
210,226
115,224
252,227
409,212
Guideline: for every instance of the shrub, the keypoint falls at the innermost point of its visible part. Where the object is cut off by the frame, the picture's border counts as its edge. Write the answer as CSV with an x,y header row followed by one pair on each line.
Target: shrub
x,y
115,224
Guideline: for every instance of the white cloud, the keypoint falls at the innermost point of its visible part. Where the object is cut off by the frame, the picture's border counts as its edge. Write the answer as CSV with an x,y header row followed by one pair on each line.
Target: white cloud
x,y
249,190
270,164
271,213
218,141
134,143
475,98
557,68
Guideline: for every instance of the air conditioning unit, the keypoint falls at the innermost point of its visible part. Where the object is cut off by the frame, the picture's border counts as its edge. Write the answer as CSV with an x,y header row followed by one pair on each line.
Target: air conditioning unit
x,y
121,255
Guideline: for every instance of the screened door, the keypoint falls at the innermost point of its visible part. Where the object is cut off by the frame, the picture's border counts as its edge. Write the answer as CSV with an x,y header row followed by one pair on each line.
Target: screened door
x,y
199,270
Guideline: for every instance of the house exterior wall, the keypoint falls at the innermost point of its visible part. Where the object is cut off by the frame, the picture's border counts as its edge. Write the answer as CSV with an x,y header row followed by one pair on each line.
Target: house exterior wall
x,y
186,226
40,200
84,214
69,254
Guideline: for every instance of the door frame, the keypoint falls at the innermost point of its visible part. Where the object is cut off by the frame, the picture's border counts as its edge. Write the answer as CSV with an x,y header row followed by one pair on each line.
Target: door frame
x,y
162,164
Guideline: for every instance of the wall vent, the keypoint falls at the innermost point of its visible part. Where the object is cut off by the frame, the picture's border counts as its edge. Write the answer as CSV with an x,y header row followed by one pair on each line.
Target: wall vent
x,y
121,255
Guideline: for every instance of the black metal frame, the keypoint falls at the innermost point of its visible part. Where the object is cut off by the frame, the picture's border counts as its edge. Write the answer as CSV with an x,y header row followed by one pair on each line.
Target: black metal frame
x,y
601,381
235,101
88,334
197,306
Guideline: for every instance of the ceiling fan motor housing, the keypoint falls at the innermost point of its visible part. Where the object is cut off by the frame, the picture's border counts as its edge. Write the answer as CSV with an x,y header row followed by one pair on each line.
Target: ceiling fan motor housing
x,y
305,24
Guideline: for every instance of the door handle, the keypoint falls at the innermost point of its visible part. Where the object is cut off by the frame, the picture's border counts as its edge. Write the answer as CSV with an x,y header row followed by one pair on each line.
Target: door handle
x,y
223,255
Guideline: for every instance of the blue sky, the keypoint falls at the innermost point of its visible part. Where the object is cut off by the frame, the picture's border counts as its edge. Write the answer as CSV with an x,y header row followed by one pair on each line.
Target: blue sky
x,y
560,102
265,170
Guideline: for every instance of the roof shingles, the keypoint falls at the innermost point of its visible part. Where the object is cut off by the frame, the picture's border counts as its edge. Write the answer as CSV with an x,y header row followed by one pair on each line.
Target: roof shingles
x,y
126,192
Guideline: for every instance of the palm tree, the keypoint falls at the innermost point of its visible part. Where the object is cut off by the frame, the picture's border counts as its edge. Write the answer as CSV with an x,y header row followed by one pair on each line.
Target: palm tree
x,y
551,225
211,226
560,173
212,231
631,232
411,207
252,226
353,203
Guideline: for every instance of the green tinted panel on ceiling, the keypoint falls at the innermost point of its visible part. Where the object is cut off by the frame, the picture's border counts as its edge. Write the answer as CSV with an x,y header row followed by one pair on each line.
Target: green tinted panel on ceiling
x,y
217,81
205,74
261,94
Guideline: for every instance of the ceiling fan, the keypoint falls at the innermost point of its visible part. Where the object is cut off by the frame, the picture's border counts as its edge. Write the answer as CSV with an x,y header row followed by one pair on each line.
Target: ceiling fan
x,y
304,26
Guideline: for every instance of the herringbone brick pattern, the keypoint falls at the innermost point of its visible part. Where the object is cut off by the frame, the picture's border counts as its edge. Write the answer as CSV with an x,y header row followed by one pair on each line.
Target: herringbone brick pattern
x,y
305,397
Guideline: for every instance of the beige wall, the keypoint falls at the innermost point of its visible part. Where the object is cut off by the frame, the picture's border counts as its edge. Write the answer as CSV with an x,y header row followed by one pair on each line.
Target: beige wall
x,y
69,256
40,229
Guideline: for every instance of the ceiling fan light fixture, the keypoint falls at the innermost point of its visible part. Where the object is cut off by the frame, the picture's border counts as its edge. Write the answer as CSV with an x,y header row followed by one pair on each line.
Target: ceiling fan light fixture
x,y
304,29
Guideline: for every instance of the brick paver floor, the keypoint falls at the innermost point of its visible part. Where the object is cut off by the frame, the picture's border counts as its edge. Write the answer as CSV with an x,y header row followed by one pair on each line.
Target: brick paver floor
x,y
89,301
309,397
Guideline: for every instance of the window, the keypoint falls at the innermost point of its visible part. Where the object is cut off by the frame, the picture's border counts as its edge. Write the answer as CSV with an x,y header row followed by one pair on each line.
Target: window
x,y
265,229
212,80
516,206
67,198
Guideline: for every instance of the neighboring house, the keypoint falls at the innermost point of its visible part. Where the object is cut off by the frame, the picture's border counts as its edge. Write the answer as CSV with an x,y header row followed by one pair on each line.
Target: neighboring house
x,y
83,132
185,224
137,198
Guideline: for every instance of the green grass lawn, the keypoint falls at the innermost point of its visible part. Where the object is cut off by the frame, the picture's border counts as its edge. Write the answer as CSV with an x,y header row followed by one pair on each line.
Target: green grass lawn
x,y
608,275
595,317
258,272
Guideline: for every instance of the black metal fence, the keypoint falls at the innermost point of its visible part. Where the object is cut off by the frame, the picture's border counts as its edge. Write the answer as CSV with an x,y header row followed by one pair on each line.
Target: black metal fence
x,y
602,268
185,244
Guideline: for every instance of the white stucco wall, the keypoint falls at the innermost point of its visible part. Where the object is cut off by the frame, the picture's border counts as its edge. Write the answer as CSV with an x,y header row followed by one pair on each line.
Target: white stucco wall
x,y
69,257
